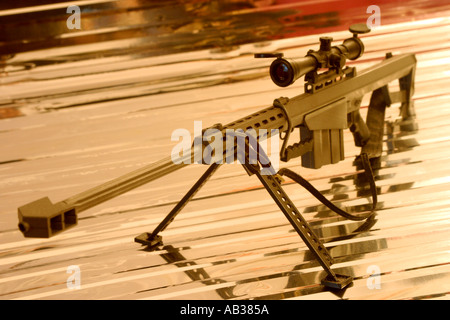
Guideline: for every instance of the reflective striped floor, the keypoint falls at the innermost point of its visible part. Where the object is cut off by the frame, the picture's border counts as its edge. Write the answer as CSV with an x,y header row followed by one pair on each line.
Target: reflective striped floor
x,y
91,120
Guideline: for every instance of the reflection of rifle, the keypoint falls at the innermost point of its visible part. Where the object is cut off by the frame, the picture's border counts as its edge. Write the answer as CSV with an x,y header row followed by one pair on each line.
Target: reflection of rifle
x,y
175,257
331,103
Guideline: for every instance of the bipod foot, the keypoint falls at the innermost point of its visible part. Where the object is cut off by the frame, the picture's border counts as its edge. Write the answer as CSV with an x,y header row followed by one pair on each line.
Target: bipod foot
x,y
149,240
337,281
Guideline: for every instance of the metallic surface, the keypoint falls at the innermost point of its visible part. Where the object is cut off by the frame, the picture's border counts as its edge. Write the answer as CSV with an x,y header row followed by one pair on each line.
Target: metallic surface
x,y
88,120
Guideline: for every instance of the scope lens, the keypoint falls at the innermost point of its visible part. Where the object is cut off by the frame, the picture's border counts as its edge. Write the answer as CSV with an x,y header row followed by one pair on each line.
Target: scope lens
x,y
282,72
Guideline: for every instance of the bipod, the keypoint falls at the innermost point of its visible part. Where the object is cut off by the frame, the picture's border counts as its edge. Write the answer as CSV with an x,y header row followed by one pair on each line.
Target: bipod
x,y
271,182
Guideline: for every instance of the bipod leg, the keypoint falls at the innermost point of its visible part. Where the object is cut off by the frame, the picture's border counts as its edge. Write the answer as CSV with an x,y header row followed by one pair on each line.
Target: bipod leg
x,y
153,240
302,227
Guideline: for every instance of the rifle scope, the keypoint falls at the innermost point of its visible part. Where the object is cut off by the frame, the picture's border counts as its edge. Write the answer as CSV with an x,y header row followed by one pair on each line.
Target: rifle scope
x,y
285,72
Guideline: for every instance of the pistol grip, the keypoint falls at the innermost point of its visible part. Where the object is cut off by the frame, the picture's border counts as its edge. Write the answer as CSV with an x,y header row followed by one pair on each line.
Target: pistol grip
x,y
359,129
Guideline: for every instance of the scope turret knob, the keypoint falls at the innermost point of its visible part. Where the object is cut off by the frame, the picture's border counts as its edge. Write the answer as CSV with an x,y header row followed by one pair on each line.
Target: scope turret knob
x,y
359,28
325,43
